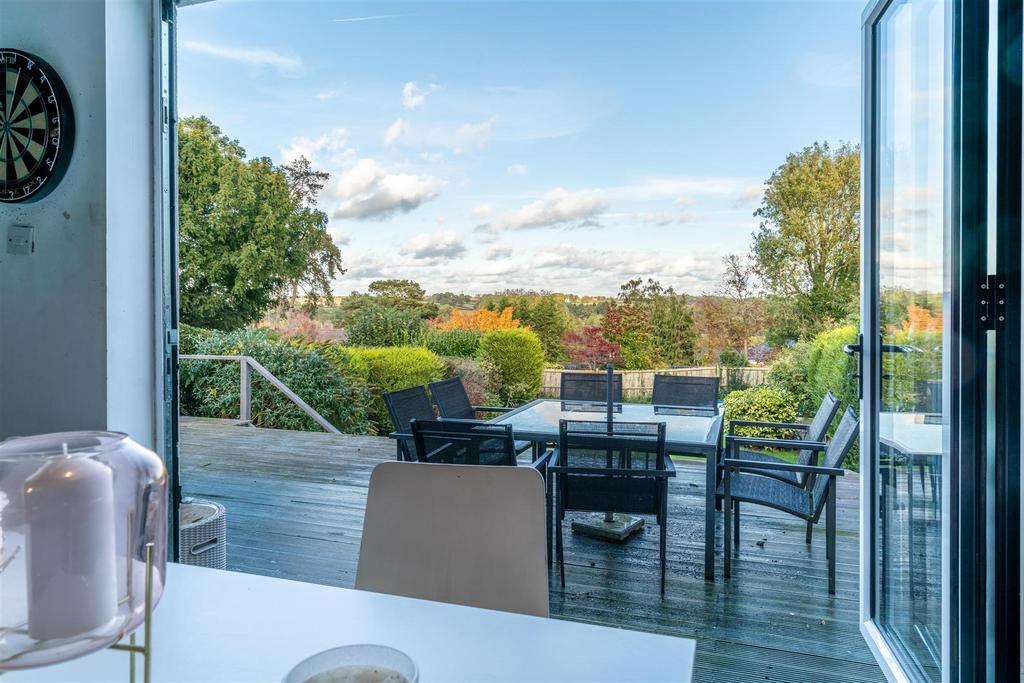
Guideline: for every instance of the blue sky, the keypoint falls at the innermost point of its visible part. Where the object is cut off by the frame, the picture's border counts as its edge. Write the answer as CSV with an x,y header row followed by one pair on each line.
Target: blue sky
x,y
560,146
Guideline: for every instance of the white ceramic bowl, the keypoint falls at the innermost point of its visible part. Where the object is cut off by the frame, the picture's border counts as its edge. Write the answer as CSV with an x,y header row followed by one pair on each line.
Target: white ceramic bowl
x,y
366,657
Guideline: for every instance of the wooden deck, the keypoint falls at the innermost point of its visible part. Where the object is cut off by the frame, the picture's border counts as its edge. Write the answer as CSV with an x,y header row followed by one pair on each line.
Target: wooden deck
x,y
295,507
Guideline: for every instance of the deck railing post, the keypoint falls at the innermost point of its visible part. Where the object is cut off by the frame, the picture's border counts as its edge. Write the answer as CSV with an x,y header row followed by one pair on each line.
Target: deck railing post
x,y
245,391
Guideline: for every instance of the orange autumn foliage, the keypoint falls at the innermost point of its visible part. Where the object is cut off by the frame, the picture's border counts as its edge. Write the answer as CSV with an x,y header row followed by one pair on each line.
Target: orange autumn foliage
x,y
478,320
920,319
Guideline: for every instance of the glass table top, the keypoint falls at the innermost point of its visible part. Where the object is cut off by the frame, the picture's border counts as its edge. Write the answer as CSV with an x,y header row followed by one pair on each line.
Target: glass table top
x,y
682,425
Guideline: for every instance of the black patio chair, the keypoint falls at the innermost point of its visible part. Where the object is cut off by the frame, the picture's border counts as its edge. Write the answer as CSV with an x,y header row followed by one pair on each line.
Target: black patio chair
x,y
815,432
404,406
589,386
611,467
742,482
686,392
453,403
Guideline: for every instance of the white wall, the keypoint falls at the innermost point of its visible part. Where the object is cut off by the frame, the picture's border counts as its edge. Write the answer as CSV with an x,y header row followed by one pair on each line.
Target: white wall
x,y
77,347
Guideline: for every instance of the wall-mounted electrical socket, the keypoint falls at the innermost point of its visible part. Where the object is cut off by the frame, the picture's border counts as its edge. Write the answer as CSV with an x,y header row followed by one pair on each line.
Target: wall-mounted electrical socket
x,y
21,240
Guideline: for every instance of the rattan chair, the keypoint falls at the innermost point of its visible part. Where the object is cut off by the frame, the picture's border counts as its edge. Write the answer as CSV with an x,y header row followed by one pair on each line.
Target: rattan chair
x,y
742,481
404,406
686,392
611,467
589,386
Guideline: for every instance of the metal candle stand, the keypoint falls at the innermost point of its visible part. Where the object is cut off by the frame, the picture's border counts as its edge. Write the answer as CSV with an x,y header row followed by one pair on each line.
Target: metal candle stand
x,y
131,647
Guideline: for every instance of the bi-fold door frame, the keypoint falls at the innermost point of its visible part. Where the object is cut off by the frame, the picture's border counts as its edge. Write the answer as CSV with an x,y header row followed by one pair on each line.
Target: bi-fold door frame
x,y
981,636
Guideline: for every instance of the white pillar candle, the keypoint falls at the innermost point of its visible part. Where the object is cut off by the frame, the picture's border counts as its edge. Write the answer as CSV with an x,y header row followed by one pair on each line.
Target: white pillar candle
x,y
71,559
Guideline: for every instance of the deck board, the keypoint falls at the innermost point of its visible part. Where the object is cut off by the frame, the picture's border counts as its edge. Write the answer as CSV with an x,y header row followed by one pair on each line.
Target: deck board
x,y
295,505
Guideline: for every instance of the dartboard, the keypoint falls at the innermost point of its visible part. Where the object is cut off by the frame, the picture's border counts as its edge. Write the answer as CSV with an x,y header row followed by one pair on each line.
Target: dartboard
x,y
36,127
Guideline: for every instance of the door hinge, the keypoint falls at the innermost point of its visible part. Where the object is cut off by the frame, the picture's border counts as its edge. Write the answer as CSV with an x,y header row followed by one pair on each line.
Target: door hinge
x,y
993,302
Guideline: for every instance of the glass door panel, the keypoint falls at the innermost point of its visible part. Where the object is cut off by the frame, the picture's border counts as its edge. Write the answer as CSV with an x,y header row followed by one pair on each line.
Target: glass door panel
x,y
911,294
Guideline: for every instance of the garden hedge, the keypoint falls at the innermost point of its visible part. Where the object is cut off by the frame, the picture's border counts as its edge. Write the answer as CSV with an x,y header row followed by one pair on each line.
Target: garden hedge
x,y
211,388
764,404
514,362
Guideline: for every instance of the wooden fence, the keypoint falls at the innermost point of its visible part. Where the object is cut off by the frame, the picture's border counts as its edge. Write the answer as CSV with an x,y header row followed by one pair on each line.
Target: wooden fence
x,y
639,384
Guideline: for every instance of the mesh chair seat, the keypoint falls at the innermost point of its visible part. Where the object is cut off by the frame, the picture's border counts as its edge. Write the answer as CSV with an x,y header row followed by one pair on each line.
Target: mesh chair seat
x,y
771,492
759,456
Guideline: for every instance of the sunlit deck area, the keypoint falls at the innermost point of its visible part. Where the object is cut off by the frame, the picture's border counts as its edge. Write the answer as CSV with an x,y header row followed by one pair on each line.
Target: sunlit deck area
x,y
295,506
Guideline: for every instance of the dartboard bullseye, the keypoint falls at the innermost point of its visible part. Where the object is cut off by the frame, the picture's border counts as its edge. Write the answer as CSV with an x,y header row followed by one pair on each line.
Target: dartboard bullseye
x,y
36,127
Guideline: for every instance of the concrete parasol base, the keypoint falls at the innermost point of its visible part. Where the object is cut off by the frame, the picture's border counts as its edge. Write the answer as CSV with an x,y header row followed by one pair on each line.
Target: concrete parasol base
x,y
608,526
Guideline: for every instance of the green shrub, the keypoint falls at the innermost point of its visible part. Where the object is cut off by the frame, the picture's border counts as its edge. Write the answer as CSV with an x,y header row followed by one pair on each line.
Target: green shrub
x,y
732,359
346,360
393,368
376,325
765,404
830,368
789,372
514,362
211,388
452,343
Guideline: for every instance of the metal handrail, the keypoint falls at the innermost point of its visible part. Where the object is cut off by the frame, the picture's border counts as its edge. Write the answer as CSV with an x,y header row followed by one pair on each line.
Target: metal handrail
x,y
247,364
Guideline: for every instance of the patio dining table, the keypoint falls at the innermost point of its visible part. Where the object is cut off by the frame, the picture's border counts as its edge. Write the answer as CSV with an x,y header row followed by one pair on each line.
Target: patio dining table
x,y
688,431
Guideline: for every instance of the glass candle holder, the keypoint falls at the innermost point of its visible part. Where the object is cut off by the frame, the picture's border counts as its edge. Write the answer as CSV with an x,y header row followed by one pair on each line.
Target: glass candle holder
x,y
78,513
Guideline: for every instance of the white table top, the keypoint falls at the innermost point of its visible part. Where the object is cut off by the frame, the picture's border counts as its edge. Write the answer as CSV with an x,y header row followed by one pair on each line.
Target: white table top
x,y
911,434
225,626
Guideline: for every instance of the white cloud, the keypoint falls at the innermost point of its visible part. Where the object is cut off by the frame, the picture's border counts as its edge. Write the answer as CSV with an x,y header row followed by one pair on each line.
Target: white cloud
x,y
287,65
326,95
340,237
661,218
481,211
829,69
681,189
499,252
479,129
559,206
443,245
367,191
328,149
395,131
413,96
518,169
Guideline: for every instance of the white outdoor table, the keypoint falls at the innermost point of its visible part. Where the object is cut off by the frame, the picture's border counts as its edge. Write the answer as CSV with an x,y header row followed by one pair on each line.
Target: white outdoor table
x,y
225,626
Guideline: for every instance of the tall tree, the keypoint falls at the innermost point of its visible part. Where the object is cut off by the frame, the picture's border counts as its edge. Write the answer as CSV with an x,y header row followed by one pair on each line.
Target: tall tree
x,y
314,258
246,232
403,295
744,314
651,324
807,248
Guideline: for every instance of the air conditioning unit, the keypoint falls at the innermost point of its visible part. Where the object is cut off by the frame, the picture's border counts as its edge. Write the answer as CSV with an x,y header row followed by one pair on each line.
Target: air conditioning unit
x,y
203,535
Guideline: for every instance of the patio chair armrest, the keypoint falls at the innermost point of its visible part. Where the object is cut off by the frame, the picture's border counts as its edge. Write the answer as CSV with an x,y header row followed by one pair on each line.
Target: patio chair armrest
x,y
757,423
491,409
782,466
545,460
669,465
775,443
400,436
